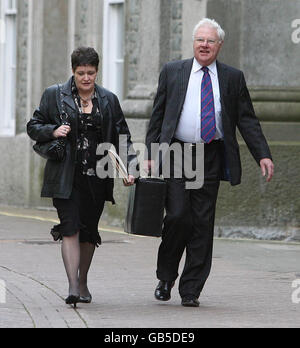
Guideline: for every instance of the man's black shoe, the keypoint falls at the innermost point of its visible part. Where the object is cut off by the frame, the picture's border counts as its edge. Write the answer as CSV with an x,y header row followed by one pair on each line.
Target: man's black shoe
x,y
163,290
190,302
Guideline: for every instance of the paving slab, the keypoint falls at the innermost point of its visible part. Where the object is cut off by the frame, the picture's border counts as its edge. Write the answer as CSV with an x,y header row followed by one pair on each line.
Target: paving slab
x,y
251,282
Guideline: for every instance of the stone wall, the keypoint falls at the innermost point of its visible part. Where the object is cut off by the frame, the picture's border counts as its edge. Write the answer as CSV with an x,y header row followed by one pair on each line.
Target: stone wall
x,y
258,40
253,28
132,54
22,56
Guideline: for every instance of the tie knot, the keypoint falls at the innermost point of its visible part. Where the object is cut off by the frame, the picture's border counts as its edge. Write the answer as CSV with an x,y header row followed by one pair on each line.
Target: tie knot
x,y
205,69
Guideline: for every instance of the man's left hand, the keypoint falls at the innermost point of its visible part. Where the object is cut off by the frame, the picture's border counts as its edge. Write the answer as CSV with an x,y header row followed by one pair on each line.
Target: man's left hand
x,y
267,167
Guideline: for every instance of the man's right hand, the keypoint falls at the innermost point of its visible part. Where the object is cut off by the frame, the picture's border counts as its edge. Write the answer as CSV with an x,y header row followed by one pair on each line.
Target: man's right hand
x,y
62,131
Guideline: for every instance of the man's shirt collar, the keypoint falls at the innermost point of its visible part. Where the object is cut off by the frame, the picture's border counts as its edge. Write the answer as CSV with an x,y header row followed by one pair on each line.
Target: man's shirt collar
x,y
197,66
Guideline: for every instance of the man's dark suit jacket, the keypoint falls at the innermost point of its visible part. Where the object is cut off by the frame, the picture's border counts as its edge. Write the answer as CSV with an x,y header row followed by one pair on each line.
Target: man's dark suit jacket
x,y
237,111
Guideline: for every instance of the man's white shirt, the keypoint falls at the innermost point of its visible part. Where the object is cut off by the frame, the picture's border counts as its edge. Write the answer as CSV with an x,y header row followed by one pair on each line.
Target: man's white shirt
x,y
189,126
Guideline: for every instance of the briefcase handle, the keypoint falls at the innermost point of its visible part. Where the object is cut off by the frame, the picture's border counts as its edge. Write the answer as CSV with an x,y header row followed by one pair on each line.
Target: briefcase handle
x,y
149,176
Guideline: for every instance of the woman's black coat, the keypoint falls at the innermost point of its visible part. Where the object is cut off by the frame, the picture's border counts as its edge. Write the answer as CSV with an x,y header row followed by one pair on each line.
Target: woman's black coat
x,y
58,176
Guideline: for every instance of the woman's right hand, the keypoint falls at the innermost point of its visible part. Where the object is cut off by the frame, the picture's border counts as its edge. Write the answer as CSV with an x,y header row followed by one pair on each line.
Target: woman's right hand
x,y
62,131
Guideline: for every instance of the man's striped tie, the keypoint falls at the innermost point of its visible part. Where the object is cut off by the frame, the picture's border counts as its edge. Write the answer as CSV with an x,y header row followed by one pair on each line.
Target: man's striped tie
x,y
208,121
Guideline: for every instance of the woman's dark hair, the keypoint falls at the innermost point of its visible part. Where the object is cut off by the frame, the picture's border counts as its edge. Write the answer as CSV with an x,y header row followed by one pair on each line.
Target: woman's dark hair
x,y
83,56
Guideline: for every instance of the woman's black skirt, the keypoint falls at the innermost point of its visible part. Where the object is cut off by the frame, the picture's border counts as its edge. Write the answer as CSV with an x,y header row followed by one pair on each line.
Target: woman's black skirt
x,y
82,211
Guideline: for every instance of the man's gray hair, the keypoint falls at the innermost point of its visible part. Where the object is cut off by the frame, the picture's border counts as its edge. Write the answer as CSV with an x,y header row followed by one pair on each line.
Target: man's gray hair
x,y
211,23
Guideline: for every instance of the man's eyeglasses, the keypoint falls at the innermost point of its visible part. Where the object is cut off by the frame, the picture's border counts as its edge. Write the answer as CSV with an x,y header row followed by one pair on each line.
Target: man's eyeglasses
x,y
210,42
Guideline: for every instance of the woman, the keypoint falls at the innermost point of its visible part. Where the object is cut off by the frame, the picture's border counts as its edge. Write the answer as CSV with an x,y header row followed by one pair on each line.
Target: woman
x,y
92,116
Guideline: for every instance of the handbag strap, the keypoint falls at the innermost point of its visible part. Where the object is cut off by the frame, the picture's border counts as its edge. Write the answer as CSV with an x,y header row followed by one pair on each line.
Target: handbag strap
x,y
60,105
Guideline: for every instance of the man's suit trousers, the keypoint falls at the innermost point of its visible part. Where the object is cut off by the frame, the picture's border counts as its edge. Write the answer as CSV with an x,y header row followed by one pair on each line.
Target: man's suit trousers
x,y
189,225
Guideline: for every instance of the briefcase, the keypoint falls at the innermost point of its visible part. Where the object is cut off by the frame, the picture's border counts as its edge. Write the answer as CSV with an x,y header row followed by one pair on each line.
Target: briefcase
x,y
146,205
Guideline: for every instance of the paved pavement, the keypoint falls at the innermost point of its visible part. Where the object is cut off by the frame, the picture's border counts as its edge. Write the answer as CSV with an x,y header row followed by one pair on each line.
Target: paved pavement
x,y
250,284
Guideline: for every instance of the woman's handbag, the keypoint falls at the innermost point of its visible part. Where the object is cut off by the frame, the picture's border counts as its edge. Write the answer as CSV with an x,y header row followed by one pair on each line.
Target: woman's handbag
x,y
54,149
146,206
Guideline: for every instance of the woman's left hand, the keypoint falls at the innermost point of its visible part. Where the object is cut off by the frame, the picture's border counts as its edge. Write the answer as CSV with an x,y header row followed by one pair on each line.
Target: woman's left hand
x,y
130,181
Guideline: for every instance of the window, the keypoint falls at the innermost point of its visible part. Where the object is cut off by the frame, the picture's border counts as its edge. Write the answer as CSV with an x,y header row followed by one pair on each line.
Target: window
x,y
8,56
113,47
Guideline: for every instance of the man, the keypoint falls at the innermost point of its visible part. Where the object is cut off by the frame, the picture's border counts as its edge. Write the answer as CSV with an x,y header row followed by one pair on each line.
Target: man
x,y
201,100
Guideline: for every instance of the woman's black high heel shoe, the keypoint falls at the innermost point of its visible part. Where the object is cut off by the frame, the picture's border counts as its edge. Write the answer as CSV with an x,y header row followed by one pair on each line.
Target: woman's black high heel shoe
x,y
85,299
72,300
